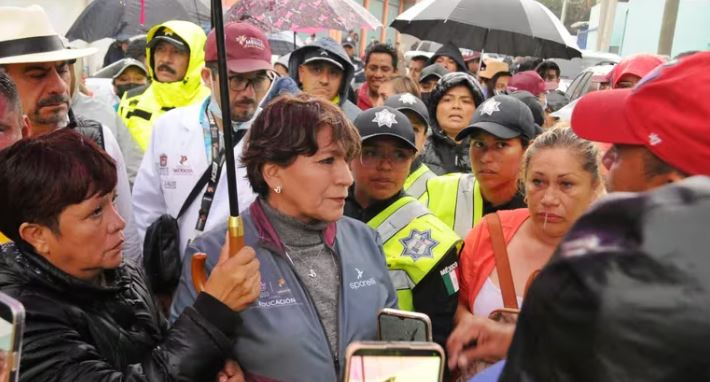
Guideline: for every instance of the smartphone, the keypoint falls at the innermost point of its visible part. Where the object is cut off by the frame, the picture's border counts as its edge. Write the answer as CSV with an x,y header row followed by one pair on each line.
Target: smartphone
x,y
401,325
394,362
12,323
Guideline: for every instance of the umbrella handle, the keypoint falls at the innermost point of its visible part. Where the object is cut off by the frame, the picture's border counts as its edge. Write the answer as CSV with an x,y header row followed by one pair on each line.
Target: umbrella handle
x,y
235,227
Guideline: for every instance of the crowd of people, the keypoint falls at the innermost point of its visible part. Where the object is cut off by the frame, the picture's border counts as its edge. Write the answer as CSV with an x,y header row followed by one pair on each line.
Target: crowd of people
x,y
452,188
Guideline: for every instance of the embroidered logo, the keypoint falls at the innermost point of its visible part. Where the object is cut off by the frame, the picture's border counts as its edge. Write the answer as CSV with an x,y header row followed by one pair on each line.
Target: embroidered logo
x,y
419,244
324,52
250,42
385,118
163,160
359,273
490,107
408,99
654,139
183,159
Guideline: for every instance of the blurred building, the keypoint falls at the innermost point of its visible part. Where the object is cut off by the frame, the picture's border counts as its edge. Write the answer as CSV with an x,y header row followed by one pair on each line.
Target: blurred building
x,y
637,27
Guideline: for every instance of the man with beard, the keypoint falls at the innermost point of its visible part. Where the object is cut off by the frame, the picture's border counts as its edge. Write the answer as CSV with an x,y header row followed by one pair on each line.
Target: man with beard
x,y
33,56
182,148
174,52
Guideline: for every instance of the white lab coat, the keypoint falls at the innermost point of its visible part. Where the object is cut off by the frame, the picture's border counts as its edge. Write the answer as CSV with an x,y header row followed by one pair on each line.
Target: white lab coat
x,y
133,245
173,163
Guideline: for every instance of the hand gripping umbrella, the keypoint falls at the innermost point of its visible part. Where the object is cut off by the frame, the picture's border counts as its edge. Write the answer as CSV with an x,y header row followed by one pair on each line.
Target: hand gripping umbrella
x,y
235,226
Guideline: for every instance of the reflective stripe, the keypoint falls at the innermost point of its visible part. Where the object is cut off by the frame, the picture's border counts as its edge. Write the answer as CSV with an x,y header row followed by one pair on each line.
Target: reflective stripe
x,y
418,187
401,280
464,211
400,219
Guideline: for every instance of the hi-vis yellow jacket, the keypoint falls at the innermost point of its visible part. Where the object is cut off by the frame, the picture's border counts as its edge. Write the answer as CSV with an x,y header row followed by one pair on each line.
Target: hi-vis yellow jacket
x,y
456,200
139,110
414,241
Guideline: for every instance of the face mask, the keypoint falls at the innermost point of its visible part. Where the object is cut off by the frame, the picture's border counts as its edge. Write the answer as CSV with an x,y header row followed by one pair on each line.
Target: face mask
x,y
121,89
216,111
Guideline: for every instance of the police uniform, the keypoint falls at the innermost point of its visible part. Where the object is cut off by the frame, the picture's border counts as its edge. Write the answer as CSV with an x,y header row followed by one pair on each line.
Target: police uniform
x,y
421,252
415,185
456,198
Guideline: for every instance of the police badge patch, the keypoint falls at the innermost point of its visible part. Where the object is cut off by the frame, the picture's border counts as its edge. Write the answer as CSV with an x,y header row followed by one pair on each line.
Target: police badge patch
x,y
419,244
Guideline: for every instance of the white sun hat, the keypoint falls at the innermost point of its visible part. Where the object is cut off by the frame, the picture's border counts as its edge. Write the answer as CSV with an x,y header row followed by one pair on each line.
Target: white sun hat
x,y
26,35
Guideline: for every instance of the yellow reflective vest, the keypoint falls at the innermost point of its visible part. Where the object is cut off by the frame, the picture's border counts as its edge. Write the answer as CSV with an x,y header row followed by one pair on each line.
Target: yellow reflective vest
x,y
140,111
414,241
456,200
3,239
415,185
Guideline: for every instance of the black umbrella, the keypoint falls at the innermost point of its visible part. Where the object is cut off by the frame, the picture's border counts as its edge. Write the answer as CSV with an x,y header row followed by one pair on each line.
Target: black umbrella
x,y
235,226
125,18
513,27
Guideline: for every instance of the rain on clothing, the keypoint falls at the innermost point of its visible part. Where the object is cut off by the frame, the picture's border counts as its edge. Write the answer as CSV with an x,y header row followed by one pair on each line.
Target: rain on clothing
x,y
421,255
280,336
140,111
109,331
625,297
332,47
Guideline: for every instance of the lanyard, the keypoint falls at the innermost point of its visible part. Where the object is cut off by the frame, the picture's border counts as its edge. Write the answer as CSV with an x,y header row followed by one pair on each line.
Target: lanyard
x,y
215,170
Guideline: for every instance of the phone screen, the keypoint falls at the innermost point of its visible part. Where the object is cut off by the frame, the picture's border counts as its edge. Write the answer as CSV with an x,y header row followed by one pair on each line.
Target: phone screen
x,y
398,366
395,328
7,339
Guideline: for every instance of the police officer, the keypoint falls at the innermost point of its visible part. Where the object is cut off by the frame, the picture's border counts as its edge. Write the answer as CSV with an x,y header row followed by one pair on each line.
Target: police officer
x,y
420,251
500,132
415,110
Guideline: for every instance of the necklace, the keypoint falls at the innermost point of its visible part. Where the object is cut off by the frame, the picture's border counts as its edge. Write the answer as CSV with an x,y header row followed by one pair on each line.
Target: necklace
x,y
307,260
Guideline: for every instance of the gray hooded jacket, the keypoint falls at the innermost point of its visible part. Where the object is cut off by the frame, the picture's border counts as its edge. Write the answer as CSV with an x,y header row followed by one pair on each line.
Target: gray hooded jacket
x,y
297,57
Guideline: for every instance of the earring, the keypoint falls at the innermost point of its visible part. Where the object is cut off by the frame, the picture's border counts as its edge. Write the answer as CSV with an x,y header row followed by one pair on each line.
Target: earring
x,y
277,189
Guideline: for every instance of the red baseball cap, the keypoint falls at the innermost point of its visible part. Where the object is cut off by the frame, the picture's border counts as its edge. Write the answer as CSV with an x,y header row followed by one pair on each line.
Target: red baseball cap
x,y
529,81
659,113
247,47
638,65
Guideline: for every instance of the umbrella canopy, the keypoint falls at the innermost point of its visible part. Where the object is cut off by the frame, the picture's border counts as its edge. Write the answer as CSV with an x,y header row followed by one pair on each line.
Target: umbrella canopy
x,y
303,16
125,18
513,27
283,43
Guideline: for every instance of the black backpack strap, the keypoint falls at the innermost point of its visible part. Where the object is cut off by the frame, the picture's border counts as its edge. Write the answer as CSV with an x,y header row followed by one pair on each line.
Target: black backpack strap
x,y
195,191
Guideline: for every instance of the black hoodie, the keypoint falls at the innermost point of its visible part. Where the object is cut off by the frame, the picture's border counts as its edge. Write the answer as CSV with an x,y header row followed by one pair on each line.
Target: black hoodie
x,y
442,154
326,43
449,50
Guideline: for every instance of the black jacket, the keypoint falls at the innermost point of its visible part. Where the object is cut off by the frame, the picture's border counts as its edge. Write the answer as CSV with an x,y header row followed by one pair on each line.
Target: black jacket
x,y
111,331
450,50
442,154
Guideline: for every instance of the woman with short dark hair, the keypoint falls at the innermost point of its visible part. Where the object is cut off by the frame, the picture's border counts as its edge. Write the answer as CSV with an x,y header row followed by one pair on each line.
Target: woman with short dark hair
x,y
323,275
90,316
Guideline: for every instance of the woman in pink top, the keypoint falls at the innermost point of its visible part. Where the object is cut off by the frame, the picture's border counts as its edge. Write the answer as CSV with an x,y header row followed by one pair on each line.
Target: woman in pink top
x,y
560,174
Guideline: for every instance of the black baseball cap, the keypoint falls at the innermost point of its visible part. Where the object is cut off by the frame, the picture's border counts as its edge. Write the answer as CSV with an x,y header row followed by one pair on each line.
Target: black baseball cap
x,y
408,101
385,121
533,103
433,70
320,54
168,35
503,116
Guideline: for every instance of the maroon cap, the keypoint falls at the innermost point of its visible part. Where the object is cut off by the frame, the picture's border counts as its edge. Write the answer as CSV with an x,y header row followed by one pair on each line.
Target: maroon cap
x,y
248,48
529,81
659,113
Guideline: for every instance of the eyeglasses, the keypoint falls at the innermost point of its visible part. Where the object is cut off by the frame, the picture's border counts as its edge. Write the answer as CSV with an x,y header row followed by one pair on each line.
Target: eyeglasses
x,y
239,83
371,157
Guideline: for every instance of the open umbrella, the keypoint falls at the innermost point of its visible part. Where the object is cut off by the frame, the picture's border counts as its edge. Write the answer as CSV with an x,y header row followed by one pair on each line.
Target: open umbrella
x,y
114,18
513,27
282,43
301,16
